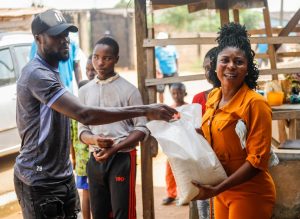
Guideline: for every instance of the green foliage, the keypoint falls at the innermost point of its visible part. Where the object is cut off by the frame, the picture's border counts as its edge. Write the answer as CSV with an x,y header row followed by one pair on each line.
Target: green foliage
x,y
251,18
124,4
177,17
203,21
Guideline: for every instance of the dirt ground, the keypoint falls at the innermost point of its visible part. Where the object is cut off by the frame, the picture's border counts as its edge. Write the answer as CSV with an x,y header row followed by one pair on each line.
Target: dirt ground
x,y
161,212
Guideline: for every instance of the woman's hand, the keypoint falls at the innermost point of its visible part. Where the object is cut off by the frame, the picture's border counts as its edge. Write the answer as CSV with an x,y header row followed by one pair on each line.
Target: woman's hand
x,y
243,174
199,131
205,191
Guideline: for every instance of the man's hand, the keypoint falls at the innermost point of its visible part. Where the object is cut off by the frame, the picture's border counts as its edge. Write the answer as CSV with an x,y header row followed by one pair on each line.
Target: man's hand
x,y
160,112
205,191
105,153
102,142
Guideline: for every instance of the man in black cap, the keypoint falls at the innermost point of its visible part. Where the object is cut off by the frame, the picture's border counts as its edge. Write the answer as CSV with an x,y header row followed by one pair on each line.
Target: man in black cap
x,y
43,175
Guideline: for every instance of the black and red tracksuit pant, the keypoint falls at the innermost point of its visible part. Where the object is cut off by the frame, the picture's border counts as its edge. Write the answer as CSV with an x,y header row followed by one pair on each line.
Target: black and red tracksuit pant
x,y
112,186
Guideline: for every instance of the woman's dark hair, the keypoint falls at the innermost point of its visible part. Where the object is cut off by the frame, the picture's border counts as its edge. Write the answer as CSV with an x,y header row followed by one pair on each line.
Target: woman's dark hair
x,y
110,42
235,35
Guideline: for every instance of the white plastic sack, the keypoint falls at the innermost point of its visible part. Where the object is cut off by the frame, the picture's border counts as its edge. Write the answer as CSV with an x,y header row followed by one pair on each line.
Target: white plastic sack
x,y
189,154
241,131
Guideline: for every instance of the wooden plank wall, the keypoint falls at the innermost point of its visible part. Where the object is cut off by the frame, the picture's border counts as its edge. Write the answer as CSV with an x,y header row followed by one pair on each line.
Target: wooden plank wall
x,y
143,71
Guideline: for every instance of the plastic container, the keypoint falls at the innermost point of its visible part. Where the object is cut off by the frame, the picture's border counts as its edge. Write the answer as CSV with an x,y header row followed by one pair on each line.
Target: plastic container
x,y
275,98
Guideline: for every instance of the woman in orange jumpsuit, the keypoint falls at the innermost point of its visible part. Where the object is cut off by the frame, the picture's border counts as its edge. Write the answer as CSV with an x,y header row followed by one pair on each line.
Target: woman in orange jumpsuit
x,y
249,191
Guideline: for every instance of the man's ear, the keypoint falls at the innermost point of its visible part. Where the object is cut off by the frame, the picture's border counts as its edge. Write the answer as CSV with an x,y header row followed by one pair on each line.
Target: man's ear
x,y
38,38
117,59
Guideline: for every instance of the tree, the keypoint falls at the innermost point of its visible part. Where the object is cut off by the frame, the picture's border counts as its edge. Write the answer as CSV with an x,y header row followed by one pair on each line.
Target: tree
x,y
203,21
124,4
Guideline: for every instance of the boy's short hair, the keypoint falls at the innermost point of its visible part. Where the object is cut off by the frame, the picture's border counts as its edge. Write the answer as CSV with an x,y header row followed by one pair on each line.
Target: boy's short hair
x,y
179,86
82,83
110,42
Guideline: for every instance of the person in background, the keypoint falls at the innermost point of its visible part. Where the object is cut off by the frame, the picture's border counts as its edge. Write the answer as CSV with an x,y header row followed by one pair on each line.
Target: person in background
x,y
249,190
167,58
178,92
68,68
43,175
262,49
90,70
204,205
80,151
202,96
112,167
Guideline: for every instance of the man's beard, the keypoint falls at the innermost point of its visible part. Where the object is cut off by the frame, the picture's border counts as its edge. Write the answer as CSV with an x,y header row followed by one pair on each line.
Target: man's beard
x,y
51,55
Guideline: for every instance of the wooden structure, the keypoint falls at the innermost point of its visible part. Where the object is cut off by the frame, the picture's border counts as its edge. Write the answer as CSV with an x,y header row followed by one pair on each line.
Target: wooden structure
x,y
17,19
146,62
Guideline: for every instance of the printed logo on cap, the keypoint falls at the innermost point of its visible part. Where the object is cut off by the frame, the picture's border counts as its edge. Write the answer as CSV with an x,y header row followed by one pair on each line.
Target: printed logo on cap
x,y
58,17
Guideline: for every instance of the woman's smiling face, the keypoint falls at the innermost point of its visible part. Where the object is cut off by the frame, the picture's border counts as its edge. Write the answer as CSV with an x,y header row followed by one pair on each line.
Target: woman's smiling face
x,y
232,67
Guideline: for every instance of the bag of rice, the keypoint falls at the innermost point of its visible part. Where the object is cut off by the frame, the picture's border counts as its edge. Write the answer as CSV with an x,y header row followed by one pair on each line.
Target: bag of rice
x,y
189,154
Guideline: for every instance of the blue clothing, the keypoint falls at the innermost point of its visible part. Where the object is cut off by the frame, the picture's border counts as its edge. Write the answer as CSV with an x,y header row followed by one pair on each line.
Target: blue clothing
x,y
44,154
65,68
262,48
82,182
166,57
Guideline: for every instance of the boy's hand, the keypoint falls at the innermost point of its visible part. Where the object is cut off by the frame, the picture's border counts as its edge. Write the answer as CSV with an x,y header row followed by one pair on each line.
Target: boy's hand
x,y
103,142
159,74
160,112
105,153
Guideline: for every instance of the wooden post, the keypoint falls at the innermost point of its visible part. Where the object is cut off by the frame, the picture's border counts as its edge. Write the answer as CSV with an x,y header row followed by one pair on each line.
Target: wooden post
x,y
236,16
289,27
199,47
272,57
271,50
146,159
141,34
294,129
224,16
84,30
151,73
193,213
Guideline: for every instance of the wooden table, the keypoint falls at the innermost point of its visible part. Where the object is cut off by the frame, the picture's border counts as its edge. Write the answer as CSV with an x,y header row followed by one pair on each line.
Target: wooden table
x,y
290,113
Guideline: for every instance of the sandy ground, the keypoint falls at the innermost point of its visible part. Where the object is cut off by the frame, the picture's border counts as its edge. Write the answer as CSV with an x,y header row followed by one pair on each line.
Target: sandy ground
x,y
161,212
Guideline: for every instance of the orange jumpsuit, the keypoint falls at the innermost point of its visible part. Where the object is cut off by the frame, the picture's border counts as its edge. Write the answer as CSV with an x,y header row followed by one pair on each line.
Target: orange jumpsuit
x,y
253,199
170,182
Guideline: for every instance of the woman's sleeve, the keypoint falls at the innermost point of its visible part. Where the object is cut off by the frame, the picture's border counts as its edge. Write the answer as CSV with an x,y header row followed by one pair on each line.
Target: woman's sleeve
x,y
258,142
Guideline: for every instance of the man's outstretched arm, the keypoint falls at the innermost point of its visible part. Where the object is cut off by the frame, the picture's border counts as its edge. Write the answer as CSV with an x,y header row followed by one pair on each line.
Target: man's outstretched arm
x,y
70,106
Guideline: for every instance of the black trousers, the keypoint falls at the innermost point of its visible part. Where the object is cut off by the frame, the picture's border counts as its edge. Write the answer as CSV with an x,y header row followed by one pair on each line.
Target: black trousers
x,y
51,201
112,186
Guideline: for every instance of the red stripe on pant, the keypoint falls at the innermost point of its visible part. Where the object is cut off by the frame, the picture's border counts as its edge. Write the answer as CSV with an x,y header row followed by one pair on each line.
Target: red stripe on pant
x,y
132,198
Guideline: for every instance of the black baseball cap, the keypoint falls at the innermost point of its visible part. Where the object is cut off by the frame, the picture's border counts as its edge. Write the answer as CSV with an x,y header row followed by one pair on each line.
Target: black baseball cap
x,y
51,22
